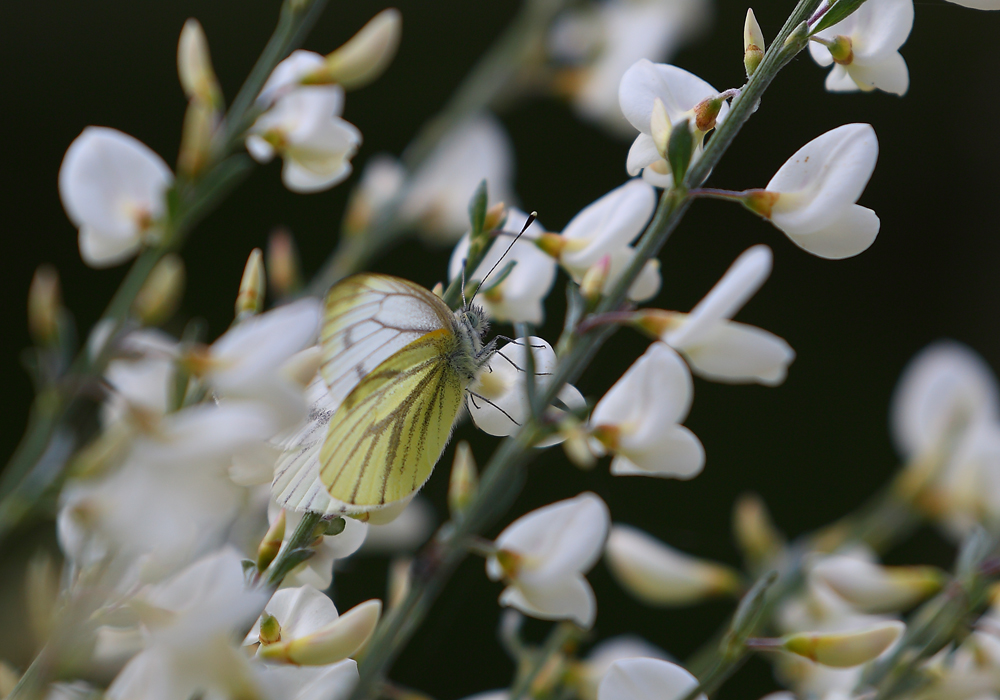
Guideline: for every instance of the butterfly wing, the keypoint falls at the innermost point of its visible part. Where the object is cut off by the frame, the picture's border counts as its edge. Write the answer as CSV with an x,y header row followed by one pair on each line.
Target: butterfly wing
x,y
368,318
388,434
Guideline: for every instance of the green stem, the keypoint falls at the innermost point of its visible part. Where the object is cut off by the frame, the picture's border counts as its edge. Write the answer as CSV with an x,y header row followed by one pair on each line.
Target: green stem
x,y
504,474
295,551
489,79
562,634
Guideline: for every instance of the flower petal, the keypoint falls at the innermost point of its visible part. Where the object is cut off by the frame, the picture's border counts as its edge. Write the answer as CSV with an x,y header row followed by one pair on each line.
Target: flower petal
x,y
849,235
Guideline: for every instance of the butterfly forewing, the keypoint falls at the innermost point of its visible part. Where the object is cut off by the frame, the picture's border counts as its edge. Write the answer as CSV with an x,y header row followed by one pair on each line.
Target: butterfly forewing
x,y
387,435
368,319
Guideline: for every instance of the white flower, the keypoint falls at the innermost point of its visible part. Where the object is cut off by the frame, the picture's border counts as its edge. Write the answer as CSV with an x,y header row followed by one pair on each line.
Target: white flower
x,y
638,419
593,668
191,620
661,575
600,41
304,127
113,188
720,349
333,682
812,196
437,196
978,4
543,555
140,376
865,47
606,227
381,182
945,389
308,631
680,92
288,75
245,362
646,679
498,401
520,296
872,588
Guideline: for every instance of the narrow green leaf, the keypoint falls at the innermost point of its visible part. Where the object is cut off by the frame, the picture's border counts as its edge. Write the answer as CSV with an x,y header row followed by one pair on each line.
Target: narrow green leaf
x,y
679,150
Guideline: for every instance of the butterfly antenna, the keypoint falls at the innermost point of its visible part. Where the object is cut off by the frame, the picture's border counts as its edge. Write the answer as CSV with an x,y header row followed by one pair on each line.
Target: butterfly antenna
x,y
465,304
528,222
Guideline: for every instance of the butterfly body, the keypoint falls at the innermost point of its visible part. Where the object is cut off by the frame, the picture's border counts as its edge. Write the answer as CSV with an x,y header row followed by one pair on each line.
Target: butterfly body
x,y
396,365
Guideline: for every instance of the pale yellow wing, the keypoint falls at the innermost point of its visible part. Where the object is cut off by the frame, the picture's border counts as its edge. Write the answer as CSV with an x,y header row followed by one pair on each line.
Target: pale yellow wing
x,y
387,435
369,318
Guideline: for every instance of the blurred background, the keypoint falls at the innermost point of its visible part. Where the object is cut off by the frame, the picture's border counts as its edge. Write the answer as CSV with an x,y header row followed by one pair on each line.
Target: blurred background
x,y
813,448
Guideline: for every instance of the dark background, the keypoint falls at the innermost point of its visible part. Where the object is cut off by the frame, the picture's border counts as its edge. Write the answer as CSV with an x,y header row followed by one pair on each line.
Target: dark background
x,y
813,448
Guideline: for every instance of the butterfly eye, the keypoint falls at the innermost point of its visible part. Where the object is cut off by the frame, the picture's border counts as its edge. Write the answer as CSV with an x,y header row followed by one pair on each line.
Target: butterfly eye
x,y
473,318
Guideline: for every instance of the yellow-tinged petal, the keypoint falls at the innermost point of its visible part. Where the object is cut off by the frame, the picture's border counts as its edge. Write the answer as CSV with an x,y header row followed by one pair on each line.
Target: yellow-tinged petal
x,y
660,127
845,649
332,643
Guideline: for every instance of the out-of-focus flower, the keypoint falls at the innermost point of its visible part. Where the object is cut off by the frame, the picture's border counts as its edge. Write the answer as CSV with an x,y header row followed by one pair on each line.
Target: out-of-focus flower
x,y
140,378
661,575
845,649
605,228
520,295
436,199
194,66
301,626
680,92
812,196
366,55
245,362
304,127
872,588
978,4
597,42
498,400
586,675
191,620
404,533
542,557
113,188
865,47
715,347
646,679
381,181
638,420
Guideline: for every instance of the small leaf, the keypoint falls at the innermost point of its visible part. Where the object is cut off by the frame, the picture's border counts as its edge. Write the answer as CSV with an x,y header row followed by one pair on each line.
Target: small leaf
x,y
477,210
840,10
679,151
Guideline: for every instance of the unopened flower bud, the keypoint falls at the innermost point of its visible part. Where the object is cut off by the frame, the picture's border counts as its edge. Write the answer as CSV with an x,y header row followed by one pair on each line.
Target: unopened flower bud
x,y
844,649
331,643
873,588
161,294
660,127
250,300
661,575
464,480
438,290
270,630
196,138
706,112
755,533
194,66
365,55
595,278
495,217
284,273
271,544
753,44
44,306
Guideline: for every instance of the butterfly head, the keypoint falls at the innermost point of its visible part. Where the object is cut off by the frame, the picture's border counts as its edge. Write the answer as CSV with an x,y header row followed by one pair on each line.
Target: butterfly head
x,y
473,317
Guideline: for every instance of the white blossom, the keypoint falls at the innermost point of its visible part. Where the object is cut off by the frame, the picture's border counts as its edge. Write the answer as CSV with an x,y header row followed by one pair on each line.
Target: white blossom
x,y
978,4
497,398
873,588
304,127
542,557
592,669
723,350
866,48
520,296
658,574
191,620
638,419
317,570
812,196
599,41
310,632
140,376
113,188
605,228
437,196
680,92
646,679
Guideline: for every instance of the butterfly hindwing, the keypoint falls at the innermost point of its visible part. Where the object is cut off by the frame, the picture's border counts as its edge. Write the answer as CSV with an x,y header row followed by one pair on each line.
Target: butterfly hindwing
x,y
387,435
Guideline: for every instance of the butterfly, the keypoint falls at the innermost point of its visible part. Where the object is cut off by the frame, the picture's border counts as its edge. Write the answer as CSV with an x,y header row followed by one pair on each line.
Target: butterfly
x,y
396,364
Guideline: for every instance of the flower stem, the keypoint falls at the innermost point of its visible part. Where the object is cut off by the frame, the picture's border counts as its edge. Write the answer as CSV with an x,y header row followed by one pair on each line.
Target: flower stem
x,y
561,635
295,551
